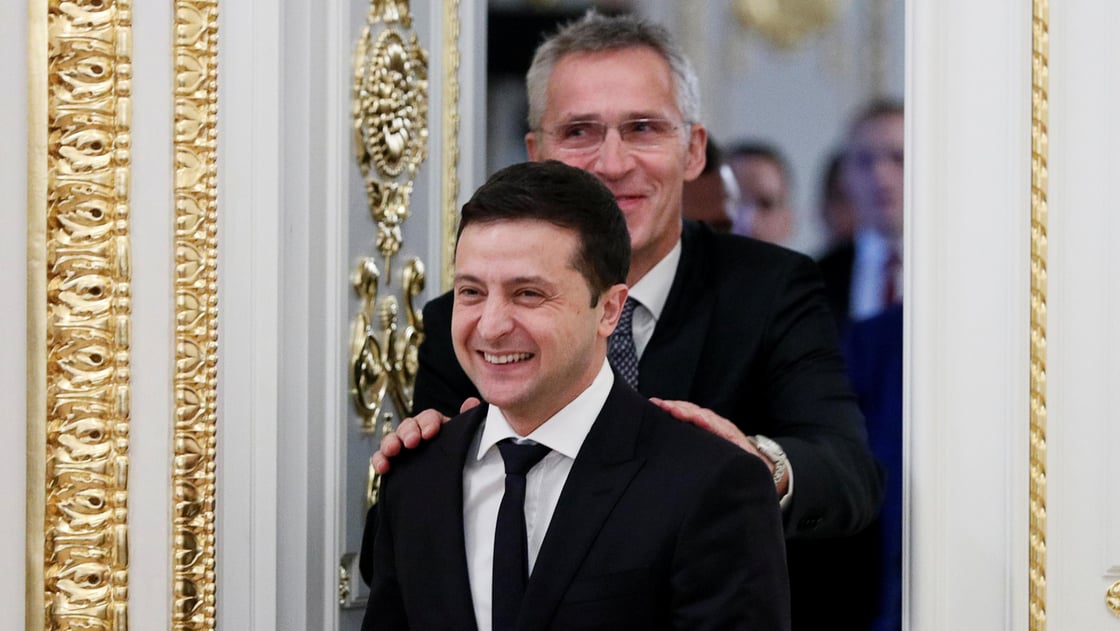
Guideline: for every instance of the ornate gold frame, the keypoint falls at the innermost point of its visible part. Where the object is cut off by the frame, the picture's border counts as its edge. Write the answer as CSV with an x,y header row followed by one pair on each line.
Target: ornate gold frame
x,y
79,292
196,314
1040,94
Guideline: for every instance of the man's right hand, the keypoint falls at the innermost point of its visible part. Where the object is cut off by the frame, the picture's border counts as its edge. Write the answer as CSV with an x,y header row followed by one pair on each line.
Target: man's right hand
x,y
410,433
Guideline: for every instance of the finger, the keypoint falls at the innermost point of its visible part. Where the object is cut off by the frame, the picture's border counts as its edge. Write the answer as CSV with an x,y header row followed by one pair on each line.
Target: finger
x,y
390,445
429,422
379,463
471,402
409,432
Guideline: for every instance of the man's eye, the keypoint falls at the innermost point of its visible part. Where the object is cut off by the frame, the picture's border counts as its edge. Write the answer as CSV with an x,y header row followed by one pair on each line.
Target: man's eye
x,y
576,130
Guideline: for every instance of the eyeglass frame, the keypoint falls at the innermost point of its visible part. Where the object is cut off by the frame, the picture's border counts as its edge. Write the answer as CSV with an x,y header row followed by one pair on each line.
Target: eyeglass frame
x,y
606,127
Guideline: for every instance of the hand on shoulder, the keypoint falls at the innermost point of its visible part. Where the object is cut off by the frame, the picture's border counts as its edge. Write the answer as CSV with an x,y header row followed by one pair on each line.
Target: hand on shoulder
x,y
410,433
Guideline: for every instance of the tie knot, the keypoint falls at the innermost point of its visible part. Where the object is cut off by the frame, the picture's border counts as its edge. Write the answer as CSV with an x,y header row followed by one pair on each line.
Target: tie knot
x,y
520,457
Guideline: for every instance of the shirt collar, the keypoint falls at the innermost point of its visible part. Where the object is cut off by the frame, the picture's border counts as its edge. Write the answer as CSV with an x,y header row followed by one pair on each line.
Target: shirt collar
x,y
652,290
565,431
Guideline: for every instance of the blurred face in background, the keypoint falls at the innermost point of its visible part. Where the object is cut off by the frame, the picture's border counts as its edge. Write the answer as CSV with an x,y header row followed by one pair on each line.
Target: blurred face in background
x,y
872,173
764,212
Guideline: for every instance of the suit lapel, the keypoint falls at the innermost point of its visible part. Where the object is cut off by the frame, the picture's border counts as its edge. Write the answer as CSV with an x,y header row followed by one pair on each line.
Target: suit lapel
x,y
607,462
447,534
669,363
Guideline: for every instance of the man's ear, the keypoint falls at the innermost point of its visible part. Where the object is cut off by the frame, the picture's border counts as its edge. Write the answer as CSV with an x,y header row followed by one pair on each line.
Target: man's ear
x,y
612,300
695,158
531,146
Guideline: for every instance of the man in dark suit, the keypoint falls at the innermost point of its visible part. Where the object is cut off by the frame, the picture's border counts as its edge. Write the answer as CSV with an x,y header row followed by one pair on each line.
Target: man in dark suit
x,y
628,521
863,276
731,334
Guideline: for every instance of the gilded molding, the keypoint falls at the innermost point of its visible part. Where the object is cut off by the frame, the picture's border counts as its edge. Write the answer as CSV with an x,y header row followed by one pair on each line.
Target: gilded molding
x,y
1112,598
390,115
196,315
1040,87
451,122
88,314
390,118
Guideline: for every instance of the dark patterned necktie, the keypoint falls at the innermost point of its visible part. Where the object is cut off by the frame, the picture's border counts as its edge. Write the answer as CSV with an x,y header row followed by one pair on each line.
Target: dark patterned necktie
x,y
511,548
621,351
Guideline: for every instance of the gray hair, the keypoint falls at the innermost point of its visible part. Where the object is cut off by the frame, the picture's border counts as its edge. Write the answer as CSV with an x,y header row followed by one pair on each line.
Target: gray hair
x,y
595,32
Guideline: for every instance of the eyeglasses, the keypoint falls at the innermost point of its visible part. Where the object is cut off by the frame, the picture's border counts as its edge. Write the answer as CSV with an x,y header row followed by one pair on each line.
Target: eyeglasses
x,y
587,136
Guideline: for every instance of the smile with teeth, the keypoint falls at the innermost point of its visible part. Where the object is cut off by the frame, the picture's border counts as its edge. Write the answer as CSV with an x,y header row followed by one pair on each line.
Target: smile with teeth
x,y
506,359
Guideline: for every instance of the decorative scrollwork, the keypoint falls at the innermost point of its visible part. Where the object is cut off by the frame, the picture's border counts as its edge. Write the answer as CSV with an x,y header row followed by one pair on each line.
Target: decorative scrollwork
x,y
383,357
196,315
786,23
1112,598
88,314
390,111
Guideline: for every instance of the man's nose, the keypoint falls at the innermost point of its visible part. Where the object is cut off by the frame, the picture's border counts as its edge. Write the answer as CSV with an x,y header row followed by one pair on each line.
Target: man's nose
x,y
613,156
495,319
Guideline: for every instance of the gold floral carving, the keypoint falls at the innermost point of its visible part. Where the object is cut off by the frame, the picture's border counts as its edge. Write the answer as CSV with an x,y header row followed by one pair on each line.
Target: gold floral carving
x,y
390,116
385,361
85,574
450,173
390,112
1040,87
1112,598
786,23
196,316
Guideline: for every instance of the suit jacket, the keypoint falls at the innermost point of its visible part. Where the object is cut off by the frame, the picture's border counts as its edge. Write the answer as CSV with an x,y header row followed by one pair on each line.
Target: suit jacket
x,y
836,269
746,333
873,349
647,534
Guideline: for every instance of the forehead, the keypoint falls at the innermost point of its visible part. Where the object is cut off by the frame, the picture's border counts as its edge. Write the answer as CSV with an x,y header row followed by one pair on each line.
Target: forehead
x,y
524,243
611,84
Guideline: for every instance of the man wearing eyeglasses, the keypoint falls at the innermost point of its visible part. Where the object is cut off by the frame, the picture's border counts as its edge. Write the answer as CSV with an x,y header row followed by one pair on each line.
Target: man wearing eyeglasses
x,y
727,333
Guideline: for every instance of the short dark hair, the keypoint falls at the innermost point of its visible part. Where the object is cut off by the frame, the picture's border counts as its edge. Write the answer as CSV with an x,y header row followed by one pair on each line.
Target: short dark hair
x,y
877,108
567,197
763,150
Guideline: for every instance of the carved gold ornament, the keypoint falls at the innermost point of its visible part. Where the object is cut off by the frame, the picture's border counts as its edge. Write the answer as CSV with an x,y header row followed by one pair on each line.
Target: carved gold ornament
x,y
1040,95
786,23
450,172
390,111
384,360
1112,598
88,315
196,315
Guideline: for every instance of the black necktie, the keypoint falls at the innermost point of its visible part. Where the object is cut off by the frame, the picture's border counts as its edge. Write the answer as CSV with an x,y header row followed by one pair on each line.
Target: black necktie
x,y
621,352
511,548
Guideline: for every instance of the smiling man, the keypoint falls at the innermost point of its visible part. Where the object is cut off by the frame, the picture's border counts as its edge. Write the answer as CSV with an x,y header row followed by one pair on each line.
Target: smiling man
x,y
577,502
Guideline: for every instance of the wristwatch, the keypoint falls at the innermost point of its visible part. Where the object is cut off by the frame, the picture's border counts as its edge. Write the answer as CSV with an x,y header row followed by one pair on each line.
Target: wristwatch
x,y
775,453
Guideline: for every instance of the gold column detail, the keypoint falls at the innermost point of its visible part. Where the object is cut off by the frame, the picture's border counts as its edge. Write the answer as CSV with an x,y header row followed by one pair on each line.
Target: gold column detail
x,y
88,315
1040,86
196,315
390,117
451,122
1112,598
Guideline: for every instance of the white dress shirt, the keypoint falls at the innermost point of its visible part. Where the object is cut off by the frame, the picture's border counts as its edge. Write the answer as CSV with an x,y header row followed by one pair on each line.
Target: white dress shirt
x,y
869,279
484,483
651,292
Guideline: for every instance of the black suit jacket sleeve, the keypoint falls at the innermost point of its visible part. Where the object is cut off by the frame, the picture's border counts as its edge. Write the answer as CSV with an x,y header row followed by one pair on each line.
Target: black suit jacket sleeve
x,y
717,569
